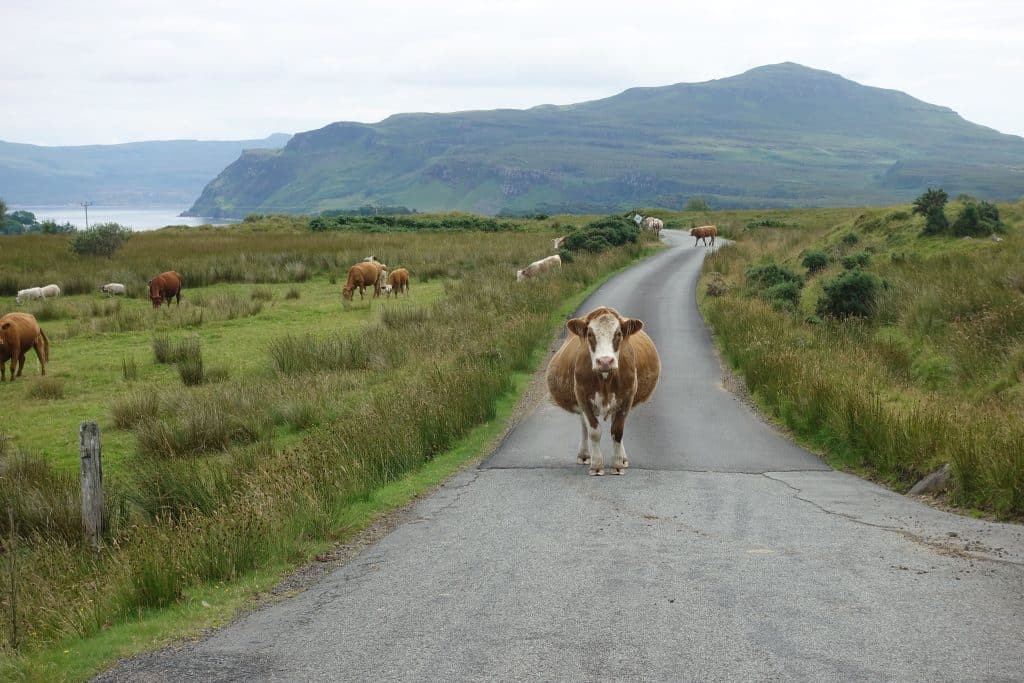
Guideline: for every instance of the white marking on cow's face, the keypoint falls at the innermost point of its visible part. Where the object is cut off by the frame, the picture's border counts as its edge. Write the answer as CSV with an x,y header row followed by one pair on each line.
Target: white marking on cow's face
x,y
604,335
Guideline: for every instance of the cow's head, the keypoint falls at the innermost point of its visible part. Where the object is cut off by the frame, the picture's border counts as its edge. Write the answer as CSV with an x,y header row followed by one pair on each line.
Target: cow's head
x,y
520,275
346,293
155,295
604,330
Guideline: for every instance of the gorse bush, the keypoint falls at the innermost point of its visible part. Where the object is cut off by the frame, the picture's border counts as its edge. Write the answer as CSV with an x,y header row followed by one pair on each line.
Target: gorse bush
x,y
977,219
853,293
858,260
100,240
814,261
612,231
765,275
931,205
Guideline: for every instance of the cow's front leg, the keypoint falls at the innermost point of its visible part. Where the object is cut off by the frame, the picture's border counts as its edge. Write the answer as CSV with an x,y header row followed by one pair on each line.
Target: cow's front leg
x,y
583,456
594,444
619,459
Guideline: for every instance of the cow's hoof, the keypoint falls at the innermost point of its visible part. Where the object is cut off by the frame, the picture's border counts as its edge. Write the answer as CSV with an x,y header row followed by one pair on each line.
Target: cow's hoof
x,y
597,473
582,459
618,470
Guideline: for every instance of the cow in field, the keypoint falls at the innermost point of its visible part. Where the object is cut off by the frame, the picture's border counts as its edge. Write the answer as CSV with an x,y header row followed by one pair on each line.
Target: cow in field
x,y
29,294
164,287
362,275
20,332
398,281
606,366
114,289
537,267
703,233
50,290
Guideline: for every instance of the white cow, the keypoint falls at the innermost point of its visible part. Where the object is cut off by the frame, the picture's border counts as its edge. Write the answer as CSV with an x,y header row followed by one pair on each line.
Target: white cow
x,y
29,294
114,288
51,290
653,224
537,267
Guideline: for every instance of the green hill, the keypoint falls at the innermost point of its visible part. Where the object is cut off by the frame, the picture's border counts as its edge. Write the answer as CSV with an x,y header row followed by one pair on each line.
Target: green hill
x,y
780,135
159,172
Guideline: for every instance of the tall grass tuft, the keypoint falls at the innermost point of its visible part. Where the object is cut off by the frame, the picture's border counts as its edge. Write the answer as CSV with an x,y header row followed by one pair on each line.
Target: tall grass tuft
x,y
47,388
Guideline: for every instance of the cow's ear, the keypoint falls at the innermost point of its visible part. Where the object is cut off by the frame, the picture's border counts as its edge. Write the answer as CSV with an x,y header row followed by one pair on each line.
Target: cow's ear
x,y
577,326
5,326
632,326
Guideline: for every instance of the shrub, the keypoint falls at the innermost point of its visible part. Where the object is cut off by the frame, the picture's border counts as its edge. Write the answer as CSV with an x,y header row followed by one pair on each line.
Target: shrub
x,y
814,261
696,204
100,240
850,238
977,219
716,285
858,260
783,294
293,293
931,205
612,231
766,275
765,222
853,293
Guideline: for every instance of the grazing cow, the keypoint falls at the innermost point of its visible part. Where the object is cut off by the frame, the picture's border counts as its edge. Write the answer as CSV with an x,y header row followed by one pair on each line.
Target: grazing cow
x,y
537,267
606,366
29,294
653,224
20,332
703,233
51,290
114,288
398,282
362,275
558,242
164,287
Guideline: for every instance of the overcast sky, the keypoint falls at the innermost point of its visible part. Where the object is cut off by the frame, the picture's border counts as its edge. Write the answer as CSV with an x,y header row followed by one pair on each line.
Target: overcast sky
x,y
106,72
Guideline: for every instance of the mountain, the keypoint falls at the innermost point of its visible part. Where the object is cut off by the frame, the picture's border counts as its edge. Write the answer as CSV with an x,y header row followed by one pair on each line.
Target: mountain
x,y
779,135
155,173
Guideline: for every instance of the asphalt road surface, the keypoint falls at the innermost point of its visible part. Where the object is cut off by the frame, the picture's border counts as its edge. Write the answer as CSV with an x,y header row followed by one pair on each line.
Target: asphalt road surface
x,y
725,553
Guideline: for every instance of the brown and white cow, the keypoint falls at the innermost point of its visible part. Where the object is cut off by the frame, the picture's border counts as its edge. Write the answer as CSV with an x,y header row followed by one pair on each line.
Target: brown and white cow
x,y
537,267
164,287
703,233
398,282
362,275
655,225
20,332
606,366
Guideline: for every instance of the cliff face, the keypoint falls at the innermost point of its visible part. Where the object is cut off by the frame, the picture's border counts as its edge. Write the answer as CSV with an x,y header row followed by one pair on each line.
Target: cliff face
x,y
780,135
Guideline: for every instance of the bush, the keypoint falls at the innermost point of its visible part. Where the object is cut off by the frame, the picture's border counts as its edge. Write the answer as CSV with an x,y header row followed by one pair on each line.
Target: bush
x,y
767,275
696,204
858,260
814,261
613,231
853,293
977,219
100,240
783,294
931,205
851,238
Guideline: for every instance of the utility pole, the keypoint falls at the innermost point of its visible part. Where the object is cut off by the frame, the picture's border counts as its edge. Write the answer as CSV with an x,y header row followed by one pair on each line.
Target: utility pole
x,y
86,205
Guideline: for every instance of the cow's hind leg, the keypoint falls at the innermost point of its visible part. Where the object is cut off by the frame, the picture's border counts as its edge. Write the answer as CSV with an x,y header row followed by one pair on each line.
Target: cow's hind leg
x,y
583,457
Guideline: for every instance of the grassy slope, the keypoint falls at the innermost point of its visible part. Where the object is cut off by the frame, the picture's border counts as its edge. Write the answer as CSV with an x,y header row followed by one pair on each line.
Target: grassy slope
x,y
933,376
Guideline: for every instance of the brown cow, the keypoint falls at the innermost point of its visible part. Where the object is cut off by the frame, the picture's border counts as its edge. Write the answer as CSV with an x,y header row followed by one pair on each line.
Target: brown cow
x,y
398,280
607,365
363,275
703,233
164,287
20,332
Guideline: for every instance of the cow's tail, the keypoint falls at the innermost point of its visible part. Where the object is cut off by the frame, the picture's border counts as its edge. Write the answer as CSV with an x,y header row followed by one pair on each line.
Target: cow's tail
x,y
46,346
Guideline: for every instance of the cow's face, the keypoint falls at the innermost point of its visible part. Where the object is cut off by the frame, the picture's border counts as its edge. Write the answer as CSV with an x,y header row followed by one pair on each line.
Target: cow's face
x,y
346,294
520,275
604,334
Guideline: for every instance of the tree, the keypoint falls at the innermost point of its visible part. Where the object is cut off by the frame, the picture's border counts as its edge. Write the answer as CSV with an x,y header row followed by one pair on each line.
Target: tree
x,y
931,205
100,240
696,204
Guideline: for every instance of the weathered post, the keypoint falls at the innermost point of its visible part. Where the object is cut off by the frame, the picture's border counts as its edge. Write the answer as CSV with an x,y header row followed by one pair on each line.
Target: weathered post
x,y
92,481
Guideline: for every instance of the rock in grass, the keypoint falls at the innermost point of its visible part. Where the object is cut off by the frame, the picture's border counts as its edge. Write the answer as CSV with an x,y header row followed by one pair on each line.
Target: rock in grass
x,y
936,482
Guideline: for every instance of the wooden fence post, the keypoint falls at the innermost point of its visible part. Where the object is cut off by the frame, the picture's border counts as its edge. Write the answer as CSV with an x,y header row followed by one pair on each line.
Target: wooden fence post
x,y
92,481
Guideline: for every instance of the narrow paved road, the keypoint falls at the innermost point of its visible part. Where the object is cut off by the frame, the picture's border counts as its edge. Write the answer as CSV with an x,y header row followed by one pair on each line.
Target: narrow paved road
x,y
725,553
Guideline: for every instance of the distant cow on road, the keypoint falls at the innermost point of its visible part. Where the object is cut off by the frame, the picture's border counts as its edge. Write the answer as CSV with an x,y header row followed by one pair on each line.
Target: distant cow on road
x,y
703,233
607,365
